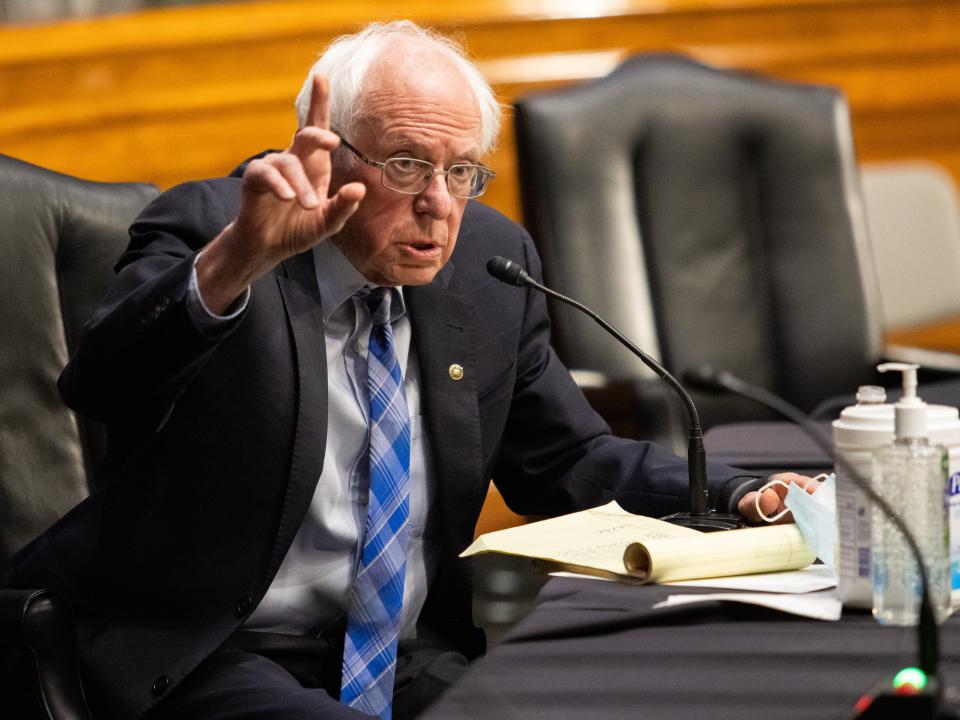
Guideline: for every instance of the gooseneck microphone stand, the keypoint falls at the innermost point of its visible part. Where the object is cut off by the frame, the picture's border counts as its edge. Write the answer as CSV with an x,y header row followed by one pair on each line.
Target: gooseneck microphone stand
x,y
700,517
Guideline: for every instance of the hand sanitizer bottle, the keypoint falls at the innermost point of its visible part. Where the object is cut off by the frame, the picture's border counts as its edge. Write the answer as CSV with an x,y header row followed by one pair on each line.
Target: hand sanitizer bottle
x,y
911,475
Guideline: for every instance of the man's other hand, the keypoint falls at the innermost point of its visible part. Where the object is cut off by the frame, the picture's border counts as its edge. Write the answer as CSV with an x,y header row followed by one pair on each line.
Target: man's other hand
x,y
771,500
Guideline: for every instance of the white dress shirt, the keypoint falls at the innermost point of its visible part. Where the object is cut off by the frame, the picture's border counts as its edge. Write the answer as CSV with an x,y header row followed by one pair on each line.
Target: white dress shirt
x,y
311,589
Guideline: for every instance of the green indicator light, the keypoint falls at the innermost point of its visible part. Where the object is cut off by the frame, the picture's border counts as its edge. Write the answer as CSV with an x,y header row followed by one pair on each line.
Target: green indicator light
x,y
910,676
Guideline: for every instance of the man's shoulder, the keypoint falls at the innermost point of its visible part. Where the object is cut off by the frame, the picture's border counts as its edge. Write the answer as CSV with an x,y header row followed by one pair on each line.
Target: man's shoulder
x,y
480,218
217,191
485,231
214,200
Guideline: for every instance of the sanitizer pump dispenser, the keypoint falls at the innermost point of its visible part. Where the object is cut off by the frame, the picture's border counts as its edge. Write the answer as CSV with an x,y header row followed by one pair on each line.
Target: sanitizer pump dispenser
x,y
911,475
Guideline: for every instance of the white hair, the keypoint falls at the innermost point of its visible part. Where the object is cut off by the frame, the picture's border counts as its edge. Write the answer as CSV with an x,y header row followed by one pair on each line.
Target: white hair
x,y
346,60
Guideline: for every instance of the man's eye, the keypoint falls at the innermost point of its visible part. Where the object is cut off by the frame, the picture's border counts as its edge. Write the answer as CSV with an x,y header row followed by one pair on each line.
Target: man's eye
x,y
462,172
405,165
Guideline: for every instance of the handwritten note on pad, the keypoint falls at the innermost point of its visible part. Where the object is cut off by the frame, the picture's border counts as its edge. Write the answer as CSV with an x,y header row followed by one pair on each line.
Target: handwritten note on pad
x,y
609,541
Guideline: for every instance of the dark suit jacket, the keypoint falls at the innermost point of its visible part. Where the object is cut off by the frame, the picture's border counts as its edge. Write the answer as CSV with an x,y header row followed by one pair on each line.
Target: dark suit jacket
x,y
216,443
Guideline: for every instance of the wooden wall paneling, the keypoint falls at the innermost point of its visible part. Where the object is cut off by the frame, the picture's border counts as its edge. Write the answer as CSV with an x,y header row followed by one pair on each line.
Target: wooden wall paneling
x,y
169,95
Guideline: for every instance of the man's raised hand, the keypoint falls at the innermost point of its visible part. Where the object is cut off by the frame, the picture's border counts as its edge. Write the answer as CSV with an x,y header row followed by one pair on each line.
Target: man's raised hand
x,y
284,210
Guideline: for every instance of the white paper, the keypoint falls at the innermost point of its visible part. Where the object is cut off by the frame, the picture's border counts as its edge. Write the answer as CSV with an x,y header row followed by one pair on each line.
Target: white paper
x,y
568,574
809,579
819,606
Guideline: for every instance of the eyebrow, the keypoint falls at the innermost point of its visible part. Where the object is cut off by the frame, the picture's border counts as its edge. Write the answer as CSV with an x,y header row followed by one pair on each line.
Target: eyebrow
x,y
405,144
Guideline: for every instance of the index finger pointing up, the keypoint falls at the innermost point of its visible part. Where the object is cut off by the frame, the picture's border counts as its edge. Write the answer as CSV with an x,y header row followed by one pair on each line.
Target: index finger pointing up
x,y
318,115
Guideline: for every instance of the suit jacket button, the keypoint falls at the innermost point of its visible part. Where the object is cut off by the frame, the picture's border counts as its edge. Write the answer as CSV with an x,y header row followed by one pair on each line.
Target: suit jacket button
x,y
244,606
160,685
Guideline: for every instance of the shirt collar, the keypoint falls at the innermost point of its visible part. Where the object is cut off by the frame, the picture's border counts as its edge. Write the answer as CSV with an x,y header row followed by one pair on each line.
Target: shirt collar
x,y
339,281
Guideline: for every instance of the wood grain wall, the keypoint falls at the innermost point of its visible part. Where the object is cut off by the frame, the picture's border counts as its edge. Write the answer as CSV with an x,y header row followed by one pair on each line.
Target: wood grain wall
x,y
169,95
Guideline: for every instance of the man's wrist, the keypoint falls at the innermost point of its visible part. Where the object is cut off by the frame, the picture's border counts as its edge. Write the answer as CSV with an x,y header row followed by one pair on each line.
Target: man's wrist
x,y
735,490
220,280
209,322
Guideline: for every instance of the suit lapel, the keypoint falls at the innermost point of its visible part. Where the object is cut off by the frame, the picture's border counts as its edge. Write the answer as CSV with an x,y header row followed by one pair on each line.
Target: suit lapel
x,y
443,335
444,329
301,301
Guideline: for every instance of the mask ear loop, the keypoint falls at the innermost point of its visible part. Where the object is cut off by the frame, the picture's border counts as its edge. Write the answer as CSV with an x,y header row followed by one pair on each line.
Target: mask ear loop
x,y
756,500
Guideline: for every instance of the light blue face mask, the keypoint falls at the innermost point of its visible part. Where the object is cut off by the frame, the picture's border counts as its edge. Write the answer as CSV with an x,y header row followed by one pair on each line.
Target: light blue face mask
x,y
815,514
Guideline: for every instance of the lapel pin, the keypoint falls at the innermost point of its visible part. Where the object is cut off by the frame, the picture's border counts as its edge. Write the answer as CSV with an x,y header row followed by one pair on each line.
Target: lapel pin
x,y
456,372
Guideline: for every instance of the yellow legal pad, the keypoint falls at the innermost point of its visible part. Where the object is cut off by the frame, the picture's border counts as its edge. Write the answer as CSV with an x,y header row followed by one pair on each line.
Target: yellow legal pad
x,y
610,542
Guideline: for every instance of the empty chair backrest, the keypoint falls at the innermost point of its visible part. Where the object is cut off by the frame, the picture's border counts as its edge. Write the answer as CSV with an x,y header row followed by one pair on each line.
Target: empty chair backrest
x,y
713,215
59,238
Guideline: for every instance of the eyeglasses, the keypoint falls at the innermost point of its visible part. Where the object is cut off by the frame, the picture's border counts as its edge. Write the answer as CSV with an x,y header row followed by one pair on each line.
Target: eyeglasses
x,y
412,176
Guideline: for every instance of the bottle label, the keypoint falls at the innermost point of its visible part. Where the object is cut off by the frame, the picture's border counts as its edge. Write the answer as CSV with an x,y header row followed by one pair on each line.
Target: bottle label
x,y
853,538
953,510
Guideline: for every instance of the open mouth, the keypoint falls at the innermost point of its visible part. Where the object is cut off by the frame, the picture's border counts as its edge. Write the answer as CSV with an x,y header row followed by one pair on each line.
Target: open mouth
x,y
422,250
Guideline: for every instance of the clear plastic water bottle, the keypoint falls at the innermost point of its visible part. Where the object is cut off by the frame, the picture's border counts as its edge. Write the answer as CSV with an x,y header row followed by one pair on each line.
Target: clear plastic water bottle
x,y
911,475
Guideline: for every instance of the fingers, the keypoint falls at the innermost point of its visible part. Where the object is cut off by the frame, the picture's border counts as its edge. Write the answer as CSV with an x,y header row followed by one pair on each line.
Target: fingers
x,y
313,146
807,483
771,500
343,205
314,141
283,175
318,114
309,139
771,503
747,507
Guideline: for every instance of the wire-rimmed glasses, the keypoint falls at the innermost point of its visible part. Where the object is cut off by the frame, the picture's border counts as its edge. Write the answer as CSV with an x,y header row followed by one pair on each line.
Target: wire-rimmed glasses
x,y
412,176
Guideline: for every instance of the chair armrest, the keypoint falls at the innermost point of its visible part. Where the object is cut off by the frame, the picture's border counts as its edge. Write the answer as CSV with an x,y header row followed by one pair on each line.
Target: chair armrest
x,y
39,624
640,408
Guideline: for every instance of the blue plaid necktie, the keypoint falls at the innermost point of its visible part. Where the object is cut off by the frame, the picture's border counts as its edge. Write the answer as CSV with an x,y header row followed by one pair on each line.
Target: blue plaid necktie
x,y
370,646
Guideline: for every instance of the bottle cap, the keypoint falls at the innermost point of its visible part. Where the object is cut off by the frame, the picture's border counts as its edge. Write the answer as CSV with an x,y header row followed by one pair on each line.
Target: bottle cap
x,y
871,395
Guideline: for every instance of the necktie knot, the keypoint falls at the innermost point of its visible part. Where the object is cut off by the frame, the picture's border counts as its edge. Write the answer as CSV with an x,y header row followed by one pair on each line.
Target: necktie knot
x,y
378,303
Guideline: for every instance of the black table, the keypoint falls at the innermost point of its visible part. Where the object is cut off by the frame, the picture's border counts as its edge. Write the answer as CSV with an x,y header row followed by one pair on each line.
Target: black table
x,y
593,649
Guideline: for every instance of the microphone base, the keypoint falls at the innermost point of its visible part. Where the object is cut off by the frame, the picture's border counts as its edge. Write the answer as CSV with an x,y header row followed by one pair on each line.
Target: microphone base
x,y
708,522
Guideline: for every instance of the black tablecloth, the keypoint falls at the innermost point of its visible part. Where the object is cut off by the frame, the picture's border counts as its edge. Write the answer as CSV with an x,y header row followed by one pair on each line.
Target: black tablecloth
x,y
769,447
593,649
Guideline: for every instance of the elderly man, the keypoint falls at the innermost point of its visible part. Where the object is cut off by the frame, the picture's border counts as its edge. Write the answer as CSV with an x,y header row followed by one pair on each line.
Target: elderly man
x,y
309,379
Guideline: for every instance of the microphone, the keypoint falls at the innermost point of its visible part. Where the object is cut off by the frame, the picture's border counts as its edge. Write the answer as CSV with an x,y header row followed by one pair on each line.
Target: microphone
x,y
700,517
508,271
922,698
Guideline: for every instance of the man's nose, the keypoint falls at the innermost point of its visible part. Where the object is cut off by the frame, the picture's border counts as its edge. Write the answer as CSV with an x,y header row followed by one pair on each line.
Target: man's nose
x,y
435,199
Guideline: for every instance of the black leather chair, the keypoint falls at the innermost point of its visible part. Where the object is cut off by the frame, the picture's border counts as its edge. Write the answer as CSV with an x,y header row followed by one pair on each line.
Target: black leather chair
x,y
714,216
60,237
